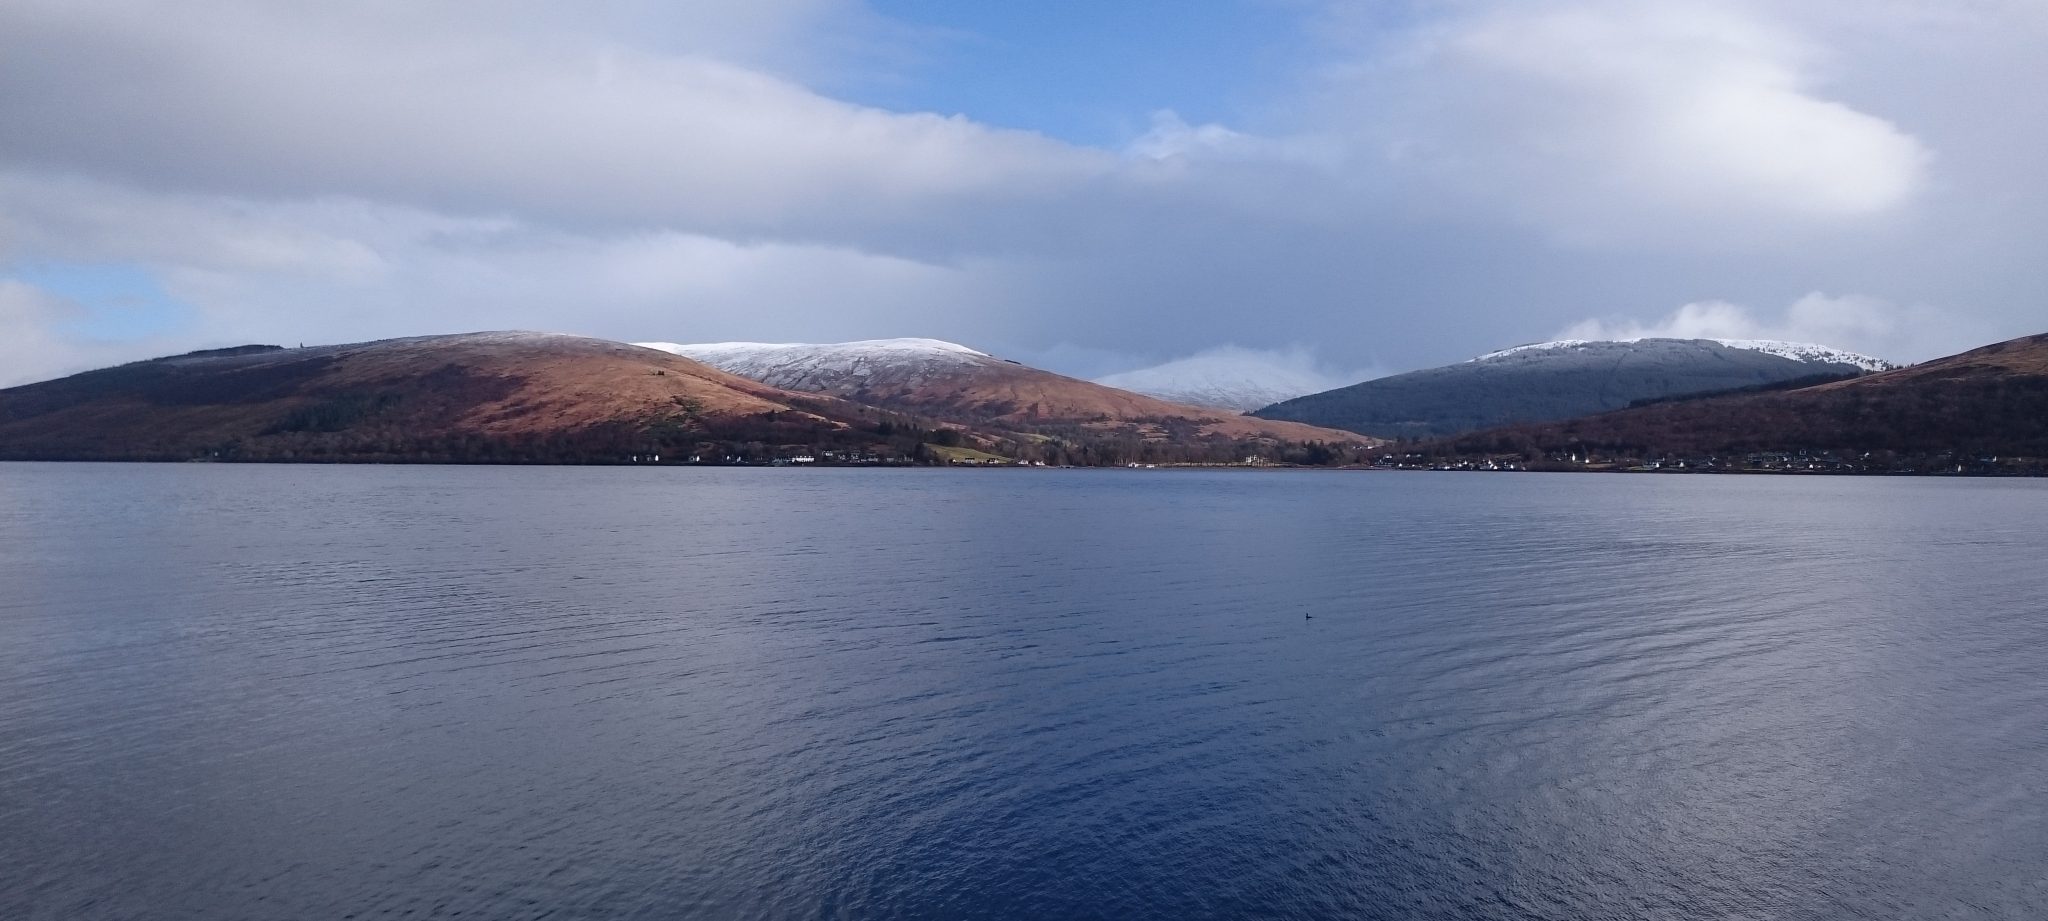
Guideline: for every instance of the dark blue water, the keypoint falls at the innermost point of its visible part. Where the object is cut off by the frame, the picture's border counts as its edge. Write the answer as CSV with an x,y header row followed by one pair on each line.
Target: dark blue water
x,y
326,692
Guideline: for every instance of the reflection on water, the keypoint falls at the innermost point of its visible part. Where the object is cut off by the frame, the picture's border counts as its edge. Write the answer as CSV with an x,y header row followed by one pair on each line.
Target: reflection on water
x,y
295,692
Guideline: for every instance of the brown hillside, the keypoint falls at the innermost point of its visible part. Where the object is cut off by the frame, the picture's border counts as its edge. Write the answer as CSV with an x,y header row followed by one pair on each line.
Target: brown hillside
x,y
1016,395
391,396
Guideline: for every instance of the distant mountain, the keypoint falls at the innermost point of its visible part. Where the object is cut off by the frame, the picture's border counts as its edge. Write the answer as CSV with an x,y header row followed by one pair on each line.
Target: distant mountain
x,y
500,396
1561,380
1982,408
1227,378
1797,351
833,366
947,381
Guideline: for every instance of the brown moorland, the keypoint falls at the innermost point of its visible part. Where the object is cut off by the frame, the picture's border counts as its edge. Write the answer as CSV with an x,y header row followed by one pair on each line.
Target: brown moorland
x,y
503,395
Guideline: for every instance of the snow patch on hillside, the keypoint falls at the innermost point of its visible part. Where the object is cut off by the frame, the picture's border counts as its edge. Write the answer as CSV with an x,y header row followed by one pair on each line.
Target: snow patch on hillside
x,y
1797,351
1541,347
1802,351
824,366
870,347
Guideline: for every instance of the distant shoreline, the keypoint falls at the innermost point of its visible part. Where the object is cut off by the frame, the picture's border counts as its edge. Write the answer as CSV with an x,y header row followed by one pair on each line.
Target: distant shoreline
x,y
1154,468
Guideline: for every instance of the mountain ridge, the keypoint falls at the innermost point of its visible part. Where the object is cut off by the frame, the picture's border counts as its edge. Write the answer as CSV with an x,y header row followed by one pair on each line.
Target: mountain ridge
x,y
506,391
1550,381
527,397
1798,351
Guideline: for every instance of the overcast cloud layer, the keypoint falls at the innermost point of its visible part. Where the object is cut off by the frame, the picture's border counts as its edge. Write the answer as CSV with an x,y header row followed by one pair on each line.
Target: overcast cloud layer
x,y
1469,175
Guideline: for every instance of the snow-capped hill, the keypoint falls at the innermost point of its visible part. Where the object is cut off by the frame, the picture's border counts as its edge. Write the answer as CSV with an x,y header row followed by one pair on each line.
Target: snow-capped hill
x,y
829,366
1796,351
1548,381
953,383
1231,378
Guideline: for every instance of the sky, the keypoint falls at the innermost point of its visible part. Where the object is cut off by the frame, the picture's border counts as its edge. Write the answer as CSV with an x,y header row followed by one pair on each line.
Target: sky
x,y
1344,188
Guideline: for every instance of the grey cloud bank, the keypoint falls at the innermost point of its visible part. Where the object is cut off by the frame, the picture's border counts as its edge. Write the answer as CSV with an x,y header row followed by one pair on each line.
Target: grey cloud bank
x,y
1491,173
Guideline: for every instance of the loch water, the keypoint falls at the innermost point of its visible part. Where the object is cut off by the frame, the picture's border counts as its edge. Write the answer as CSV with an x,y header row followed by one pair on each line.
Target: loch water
x,y
304,692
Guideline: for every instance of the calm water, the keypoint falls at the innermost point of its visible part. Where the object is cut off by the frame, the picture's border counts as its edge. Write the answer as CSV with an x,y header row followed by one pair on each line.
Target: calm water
x,y
327,692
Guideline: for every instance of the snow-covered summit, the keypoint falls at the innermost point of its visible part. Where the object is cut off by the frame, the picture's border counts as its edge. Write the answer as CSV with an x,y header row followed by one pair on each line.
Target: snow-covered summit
x,y
1804,351
1552,345
891,347
826,366
1797,351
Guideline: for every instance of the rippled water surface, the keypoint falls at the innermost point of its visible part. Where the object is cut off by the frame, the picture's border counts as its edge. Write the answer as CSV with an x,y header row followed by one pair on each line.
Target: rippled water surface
x,y
325,692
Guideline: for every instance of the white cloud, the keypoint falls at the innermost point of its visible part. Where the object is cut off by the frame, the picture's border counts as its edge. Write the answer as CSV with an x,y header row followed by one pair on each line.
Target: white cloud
x,y
45,218
1610,121
1239,378
638,286
483,114
1171,138
1699,320
340,269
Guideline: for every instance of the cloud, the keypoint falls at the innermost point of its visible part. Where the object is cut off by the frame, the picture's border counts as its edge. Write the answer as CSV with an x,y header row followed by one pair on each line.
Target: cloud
x,y
1239,378
1860,323
1171,138
662,285
45,218
340,269
472,114
1669,121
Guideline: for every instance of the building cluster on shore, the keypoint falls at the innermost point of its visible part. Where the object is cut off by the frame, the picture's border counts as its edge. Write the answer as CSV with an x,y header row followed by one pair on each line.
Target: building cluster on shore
x,y
1793,461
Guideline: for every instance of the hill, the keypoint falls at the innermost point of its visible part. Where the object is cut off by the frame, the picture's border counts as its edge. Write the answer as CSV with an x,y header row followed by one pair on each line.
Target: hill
x,y
1560,380
501,396
519,397
955,383
1985,409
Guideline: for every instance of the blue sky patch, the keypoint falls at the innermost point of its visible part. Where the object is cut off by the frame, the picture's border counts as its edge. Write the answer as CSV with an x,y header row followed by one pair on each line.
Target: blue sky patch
x,y
1093,73
118,302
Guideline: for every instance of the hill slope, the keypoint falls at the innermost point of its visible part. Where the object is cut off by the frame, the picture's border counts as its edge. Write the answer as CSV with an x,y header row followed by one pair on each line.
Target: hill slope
x,y
1991,401
1559,380
953,382
478,396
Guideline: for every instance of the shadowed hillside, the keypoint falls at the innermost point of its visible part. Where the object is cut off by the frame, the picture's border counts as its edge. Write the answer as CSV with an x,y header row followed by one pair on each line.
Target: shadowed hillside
x,y
1985,408
1555,381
